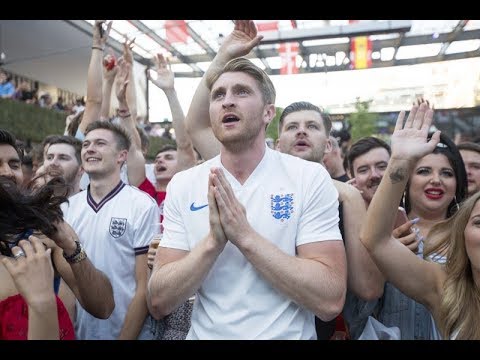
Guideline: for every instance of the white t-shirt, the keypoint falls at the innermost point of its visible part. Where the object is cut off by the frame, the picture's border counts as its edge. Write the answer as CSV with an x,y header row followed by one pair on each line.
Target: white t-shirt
x,y
112,232
290,202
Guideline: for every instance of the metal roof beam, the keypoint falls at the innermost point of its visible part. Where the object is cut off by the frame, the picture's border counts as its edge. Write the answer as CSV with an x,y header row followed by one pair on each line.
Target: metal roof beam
x,y
452,36
199,40
87,28
345,47
392,26
183,59
399,43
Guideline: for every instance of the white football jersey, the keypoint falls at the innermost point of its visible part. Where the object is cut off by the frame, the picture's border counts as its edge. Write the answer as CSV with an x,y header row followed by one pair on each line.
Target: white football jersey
x,y
290,202
112,232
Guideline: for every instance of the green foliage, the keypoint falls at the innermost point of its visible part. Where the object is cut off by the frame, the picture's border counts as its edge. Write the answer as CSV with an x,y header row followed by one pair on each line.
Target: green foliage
x,y
155,144
27,121
363,123
272,129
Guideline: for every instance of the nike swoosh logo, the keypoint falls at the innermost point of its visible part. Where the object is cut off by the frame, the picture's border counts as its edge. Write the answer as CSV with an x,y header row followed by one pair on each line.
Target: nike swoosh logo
x,y
195,208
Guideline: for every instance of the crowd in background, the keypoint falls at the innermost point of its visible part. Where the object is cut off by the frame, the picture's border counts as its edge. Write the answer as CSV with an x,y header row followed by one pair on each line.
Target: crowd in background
x,y
230,234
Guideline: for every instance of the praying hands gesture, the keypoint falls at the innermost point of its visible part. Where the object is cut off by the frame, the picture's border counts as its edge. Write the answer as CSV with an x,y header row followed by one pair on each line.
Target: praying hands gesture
x,y
216,229
232,214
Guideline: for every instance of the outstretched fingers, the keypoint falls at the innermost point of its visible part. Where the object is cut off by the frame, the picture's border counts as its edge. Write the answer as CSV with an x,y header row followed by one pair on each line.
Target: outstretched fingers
x,y
428,119
420,116
399,124
434,140
109,27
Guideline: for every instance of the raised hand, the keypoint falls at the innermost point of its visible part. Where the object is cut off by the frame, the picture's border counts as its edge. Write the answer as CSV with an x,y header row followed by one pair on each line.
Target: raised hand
x,y
127,50
122,80
409,141
110,66
165,77
100,35
241,40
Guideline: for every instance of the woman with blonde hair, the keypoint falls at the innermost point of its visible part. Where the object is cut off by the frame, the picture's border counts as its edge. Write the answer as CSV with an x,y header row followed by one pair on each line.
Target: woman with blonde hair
x,y
449,291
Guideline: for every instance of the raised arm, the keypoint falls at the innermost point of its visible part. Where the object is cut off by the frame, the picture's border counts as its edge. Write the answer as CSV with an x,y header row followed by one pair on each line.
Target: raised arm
x,y
165,80
95,77
91,286
135,161
364,278
417,278
239,43
131,94
110,69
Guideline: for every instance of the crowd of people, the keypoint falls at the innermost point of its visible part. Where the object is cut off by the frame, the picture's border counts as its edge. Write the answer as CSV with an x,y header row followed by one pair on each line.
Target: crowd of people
x,y
228,236
25,93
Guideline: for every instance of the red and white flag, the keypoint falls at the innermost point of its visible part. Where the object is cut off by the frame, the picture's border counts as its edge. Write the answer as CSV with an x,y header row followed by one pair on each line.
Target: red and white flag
x,y
176,31
267,26
288,53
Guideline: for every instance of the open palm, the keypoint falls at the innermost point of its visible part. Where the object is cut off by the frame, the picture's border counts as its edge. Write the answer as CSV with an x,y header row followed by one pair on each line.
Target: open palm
x,y
165,77
241,40
409,140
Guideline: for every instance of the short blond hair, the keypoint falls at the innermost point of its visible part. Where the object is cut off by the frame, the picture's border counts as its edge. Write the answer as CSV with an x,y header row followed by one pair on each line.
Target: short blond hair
x,y
246,66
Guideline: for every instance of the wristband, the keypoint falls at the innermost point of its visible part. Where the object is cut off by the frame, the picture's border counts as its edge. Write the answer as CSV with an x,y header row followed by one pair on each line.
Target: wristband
x,y
78,255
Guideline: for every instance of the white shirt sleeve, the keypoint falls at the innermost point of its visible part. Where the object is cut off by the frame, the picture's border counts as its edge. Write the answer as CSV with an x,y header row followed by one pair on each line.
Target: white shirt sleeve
x,y
174,231
146,227
319,218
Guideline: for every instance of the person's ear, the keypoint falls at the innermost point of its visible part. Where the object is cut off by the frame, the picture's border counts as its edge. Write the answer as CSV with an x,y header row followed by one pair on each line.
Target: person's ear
x,y
328,147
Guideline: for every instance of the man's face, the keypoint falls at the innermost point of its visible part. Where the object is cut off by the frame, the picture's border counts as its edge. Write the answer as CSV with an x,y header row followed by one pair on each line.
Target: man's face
x,y
238,113
100,153
472,166
303,135
61,161
368,171
10,164
165,165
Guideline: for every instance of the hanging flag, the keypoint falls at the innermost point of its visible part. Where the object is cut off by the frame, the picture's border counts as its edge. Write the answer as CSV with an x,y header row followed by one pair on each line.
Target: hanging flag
x,y
267,26
288,53
176,31
361,52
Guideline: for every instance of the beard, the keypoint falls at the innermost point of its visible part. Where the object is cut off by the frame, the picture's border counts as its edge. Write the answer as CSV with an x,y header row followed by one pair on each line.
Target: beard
x,y
55,171
314,155
237,142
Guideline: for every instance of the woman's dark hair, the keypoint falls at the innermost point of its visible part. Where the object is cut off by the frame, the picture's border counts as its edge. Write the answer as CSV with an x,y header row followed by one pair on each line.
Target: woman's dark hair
x,y
448,148
24,211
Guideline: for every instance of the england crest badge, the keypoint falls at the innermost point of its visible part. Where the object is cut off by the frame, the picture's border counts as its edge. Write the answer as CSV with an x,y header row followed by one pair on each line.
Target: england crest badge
x,y
117,227
282,206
